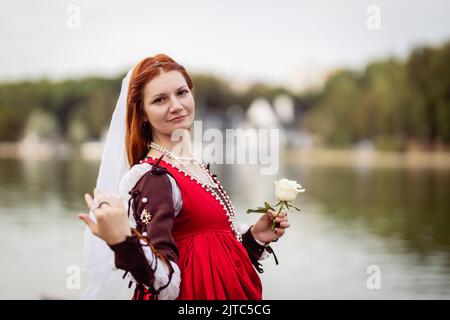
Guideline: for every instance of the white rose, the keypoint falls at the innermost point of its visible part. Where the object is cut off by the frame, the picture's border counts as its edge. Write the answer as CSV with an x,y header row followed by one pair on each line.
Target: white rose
x,y
287,190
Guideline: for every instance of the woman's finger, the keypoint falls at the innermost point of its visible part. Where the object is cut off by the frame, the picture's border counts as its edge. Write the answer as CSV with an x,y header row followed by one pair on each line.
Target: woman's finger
x,y
89,222
268,215
107,198
279,232
93,206
279,215
99,196
114,201
281,219
285,225
274,213
89,201
270,212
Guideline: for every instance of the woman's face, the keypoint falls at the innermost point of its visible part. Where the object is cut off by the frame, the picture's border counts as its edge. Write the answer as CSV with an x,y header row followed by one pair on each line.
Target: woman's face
x,y
168,103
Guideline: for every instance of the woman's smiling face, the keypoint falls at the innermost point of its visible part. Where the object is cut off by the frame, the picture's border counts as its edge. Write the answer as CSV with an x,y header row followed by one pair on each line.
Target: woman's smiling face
x,y
168,103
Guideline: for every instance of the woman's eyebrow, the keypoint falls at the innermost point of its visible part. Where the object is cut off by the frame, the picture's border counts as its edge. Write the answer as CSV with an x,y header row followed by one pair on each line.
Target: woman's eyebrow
x,y
160,94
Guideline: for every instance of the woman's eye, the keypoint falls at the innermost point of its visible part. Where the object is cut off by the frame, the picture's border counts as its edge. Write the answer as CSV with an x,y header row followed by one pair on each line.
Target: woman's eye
x,y
158,100
182,92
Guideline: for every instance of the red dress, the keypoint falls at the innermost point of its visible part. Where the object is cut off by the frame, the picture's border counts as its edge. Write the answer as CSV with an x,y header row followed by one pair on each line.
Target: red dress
x,y
213,264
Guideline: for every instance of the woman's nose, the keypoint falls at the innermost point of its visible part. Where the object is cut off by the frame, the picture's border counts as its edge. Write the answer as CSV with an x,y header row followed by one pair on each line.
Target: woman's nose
x,y
175,105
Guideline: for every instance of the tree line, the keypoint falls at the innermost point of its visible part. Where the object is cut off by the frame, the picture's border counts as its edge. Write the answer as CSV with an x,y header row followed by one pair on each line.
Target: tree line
x,y
394,103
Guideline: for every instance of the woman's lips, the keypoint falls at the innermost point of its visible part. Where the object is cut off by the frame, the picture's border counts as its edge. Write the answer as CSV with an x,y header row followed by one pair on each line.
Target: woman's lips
x,y
178,118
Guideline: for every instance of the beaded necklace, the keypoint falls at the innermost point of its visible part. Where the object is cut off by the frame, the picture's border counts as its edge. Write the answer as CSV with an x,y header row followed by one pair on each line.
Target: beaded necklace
x,y
213,187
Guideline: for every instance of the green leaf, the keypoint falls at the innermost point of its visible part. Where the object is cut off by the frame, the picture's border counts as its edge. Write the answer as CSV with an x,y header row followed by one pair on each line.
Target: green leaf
x,y
259,210
268,206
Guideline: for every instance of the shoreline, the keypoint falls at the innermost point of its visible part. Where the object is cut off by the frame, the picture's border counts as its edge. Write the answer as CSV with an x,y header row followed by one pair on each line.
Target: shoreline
x,y
367,158
300,157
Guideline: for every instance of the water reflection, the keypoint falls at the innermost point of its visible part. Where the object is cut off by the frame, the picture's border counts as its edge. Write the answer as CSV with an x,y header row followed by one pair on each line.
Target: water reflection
x,y
394,218
411,205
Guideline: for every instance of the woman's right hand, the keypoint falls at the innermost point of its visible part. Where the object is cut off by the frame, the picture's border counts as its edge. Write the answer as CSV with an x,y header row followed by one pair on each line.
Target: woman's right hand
x,y
112,223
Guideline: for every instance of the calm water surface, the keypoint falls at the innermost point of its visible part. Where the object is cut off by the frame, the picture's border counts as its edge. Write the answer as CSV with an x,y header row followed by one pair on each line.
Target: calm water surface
x,y
396,219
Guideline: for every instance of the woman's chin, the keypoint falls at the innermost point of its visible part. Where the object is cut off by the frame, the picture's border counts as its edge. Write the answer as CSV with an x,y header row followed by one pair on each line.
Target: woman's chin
x,y
184,125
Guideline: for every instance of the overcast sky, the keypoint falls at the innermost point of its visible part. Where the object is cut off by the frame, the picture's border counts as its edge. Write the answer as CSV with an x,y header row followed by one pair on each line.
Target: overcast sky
x,y
268,40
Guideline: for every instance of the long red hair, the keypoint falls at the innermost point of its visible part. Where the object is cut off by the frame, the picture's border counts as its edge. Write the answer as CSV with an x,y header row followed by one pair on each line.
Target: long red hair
x,y
138,132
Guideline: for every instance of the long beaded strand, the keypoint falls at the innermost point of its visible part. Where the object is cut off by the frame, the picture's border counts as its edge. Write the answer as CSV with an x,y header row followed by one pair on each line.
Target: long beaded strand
x,y
211,188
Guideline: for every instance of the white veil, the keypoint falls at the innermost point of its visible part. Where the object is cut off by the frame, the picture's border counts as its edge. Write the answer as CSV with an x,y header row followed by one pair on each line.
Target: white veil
x,y
104,281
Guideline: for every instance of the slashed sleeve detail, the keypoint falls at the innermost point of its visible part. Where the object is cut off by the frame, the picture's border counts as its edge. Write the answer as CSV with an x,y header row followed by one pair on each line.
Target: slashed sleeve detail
x,y
150,255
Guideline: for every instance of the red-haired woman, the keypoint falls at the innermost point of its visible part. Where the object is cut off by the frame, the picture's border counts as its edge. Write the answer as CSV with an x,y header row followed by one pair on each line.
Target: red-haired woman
x,y
173,231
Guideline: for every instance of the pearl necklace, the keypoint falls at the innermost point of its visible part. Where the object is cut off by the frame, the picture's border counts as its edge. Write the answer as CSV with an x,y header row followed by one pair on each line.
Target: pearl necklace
x,y
180,160
214,188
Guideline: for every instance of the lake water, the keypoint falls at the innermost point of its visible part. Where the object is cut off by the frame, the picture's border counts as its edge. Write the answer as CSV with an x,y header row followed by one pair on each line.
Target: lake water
x,y
397,220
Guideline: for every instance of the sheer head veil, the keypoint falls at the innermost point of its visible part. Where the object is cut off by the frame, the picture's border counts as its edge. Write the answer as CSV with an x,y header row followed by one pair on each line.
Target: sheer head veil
x,y
104,281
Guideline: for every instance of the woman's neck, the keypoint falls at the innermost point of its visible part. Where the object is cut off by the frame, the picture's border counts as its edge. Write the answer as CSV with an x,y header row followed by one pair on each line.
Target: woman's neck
x,y
179,148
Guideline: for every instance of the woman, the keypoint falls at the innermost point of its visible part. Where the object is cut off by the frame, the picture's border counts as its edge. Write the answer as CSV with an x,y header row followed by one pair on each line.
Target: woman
x,y
174,233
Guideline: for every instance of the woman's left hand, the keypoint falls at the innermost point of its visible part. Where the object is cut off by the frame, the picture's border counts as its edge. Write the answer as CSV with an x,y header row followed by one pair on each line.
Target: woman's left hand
x,y
262,229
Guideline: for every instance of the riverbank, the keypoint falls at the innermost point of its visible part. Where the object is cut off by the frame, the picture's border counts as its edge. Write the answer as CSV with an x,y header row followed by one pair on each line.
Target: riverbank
x,y
367,158
302,157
